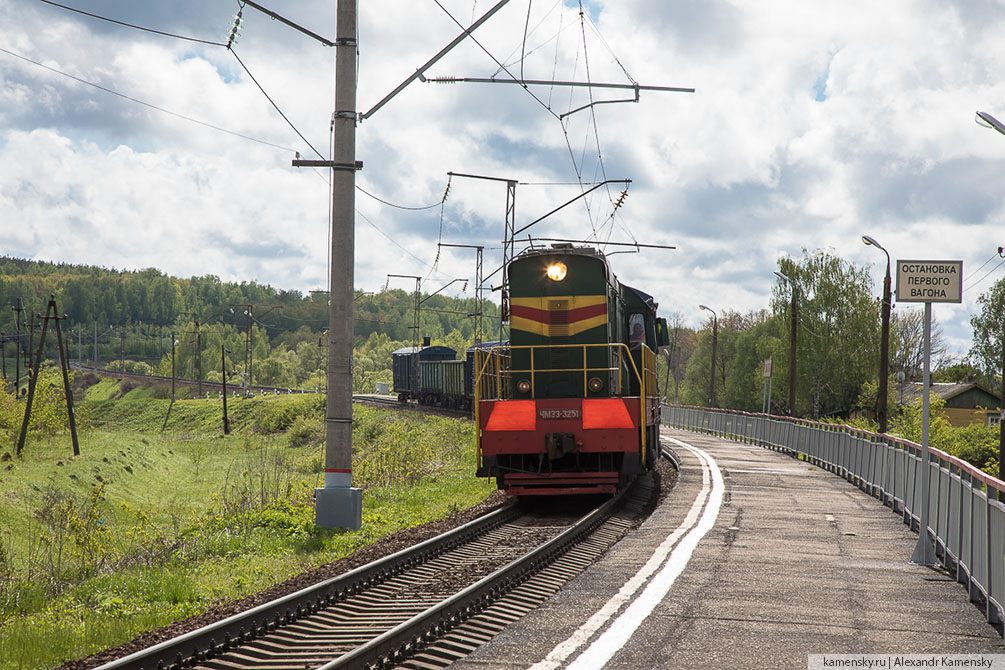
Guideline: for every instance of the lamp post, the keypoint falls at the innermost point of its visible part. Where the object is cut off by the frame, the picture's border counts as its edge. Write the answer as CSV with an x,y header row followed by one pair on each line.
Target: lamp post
x,y
988,121
884,345
715,338
1001,402
793,319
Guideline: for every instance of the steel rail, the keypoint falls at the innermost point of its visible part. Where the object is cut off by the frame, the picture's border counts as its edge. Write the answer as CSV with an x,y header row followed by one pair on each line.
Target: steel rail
x,y
220,636
412,635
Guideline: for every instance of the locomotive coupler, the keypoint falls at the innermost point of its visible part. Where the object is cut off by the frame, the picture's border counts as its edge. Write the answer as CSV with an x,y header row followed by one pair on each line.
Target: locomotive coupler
x,y
559,444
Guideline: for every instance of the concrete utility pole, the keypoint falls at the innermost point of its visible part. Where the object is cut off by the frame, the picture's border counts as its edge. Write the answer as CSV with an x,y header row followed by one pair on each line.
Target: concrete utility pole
x,y
1001,404
793,321
249,311
715,338
223,371
173,342
198,357
338,504
478,286
18,308
884,343
508,241
122,353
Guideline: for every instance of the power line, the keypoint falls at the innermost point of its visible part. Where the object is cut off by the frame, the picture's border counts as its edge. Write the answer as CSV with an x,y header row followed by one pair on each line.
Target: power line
x,y
973,272
227,46
145,104
496,60
274,105
986,275
391,204
130,25
393,241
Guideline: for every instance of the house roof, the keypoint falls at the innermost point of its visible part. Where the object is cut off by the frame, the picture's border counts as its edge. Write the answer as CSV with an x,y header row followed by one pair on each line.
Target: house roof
x,y
911,391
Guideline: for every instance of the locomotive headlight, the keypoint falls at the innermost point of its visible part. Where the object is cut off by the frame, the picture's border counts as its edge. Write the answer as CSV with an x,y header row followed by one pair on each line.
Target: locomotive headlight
x,y
595,384
557,271
523,386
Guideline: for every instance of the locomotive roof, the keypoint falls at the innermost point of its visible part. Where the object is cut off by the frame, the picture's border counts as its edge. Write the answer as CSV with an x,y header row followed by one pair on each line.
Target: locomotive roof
x,y
488,345
642,295
564,248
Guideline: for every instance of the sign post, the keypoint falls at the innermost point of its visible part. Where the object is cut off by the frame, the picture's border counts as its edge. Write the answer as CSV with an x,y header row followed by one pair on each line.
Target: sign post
x,y
927,282
766,400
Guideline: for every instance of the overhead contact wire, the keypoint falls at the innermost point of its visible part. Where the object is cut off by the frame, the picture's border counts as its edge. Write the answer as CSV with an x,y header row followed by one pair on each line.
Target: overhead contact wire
x,y
274,105
496,60
130,25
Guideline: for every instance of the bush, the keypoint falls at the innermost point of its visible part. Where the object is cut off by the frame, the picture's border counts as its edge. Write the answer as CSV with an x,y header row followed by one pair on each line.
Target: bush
x,y
389,449
48,411
306,430
977,444
274,417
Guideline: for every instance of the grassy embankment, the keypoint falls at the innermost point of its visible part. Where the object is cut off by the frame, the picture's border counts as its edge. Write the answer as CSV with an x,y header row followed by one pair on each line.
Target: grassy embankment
x,y
162,516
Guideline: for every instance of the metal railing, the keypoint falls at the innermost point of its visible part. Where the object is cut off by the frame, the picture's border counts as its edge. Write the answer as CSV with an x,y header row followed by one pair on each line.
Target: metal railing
x,y
966,514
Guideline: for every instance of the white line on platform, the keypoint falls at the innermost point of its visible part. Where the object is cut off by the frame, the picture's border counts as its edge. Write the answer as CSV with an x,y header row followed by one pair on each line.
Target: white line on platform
x,y
692,529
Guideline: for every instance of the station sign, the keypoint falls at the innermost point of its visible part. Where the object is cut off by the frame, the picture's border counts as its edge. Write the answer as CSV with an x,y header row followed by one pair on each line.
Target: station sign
x,y
929,281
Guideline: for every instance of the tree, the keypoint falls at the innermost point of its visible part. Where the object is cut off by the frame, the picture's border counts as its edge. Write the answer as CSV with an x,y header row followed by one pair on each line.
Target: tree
x,y
731,358
683,342
958,373
989,331
907,343
838,331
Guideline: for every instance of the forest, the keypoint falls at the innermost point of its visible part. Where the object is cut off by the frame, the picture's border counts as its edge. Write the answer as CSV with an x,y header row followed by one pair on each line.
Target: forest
x,y
147,322
275,337
130,319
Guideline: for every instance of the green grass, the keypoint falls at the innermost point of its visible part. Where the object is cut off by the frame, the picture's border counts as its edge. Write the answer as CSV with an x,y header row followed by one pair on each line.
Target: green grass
x,y
147,525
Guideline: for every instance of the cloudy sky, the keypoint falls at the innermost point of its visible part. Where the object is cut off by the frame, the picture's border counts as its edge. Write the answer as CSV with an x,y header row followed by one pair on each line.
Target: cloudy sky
x,y
812,124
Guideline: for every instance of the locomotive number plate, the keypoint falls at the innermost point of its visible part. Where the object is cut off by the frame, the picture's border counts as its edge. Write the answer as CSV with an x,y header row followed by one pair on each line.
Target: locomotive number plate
x,y
570,413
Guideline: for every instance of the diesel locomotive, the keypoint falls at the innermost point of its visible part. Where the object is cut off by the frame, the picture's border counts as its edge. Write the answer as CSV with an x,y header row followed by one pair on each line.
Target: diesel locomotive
x,y
570,404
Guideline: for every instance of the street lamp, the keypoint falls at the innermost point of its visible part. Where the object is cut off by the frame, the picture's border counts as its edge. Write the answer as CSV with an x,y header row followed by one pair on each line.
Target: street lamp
x,y
988,121
715,338
884,346
793,319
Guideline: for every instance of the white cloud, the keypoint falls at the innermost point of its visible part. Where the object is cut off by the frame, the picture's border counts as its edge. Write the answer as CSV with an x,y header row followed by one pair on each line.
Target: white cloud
x,y
812,124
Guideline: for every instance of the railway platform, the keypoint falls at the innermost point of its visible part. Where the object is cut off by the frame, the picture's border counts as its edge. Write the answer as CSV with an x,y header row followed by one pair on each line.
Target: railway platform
x,y
755,560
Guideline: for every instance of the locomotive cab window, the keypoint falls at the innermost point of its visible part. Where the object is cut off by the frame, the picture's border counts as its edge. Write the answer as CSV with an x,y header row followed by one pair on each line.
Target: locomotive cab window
x,y
636,330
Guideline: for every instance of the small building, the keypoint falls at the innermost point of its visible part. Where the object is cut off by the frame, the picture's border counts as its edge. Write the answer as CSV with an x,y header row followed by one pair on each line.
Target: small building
x,y
965,402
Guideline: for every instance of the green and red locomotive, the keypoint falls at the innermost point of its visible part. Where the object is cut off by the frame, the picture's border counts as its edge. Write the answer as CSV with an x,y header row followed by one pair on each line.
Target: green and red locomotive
x,y
571,405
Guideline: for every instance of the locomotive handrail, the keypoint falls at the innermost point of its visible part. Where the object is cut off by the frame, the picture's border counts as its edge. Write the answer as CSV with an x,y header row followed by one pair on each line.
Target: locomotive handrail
x,y
648,360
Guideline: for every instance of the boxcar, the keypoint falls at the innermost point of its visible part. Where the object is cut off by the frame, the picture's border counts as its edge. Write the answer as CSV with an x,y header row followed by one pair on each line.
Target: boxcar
x,y
406,365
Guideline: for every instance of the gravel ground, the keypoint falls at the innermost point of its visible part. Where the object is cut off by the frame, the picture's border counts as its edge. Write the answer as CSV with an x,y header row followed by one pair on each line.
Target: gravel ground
x,y
384,547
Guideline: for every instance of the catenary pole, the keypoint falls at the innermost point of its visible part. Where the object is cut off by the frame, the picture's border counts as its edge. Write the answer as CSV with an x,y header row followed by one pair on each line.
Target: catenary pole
x,y
338,504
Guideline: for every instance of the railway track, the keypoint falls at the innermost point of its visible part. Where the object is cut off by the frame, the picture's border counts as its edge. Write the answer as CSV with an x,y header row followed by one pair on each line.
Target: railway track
x,y
423,607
